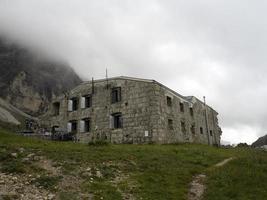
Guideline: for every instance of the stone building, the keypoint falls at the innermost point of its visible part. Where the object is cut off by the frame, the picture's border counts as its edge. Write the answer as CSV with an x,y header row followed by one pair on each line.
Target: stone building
x,y
133,110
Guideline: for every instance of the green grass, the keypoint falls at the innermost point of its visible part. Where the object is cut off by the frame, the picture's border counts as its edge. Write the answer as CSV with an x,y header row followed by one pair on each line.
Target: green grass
x,y
103,190
244,178
149,171
68,196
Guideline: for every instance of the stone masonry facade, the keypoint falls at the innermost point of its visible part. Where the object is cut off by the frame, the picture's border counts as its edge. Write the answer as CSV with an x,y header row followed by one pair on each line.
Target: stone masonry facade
x,y
133,110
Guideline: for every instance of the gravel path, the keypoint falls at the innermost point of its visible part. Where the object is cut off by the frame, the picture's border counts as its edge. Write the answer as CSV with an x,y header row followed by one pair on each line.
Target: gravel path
x,y
197,186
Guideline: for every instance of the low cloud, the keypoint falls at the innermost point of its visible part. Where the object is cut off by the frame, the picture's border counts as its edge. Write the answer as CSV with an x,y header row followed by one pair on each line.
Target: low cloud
x,y
211,48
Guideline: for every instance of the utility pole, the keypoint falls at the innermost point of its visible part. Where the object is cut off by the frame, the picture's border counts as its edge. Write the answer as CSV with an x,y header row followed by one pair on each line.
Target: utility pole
x,y
206,120
108,104
93,86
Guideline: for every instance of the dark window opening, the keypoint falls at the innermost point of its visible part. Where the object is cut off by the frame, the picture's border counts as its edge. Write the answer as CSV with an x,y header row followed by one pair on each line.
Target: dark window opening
x,y
56,107
193,131
191,112
170,124
73,126
55,129
201,130
169,101
87,126
211,133
181,107
75,103
117,120
88,101
183,127
116,95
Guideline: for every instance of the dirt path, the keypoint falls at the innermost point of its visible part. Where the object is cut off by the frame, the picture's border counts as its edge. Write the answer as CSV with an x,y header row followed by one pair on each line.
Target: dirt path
x,y
220,164
197,186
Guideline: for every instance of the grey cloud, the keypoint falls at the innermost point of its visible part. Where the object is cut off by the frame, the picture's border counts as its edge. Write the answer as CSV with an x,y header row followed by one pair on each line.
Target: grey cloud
x,y
212,48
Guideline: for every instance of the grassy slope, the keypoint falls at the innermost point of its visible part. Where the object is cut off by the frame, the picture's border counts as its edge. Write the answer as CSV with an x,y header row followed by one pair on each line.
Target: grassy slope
x,y
152,171
244,178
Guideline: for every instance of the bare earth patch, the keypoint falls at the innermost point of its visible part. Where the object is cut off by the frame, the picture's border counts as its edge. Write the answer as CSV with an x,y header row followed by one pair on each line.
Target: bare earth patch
x,y
48,165
197,186
19,187
49,181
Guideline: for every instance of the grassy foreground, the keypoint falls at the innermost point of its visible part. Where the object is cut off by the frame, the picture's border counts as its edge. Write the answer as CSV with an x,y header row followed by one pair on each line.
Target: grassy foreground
x,y
134,171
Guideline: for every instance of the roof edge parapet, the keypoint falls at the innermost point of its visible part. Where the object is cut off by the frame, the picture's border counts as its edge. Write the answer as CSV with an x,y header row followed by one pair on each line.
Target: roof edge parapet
x,y
188,99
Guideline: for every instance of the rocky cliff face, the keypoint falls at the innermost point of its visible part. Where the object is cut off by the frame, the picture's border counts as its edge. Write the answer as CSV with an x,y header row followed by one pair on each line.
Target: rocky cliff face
x,y
29,82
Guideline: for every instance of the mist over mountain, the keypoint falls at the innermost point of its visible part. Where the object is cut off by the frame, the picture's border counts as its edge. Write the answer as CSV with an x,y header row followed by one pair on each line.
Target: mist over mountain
x,y
29,80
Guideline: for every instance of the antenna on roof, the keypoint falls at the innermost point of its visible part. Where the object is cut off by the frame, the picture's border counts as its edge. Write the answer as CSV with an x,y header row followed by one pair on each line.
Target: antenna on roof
x,y
107,76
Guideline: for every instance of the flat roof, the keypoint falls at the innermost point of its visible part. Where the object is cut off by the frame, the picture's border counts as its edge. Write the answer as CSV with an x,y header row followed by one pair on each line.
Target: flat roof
x,y
188,99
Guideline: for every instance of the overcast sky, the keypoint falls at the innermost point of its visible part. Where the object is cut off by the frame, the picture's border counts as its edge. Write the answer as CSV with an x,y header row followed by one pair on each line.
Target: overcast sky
x,y
215,48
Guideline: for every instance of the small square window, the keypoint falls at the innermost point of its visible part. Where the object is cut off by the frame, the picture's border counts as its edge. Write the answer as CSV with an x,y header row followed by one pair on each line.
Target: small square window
x,y
56,108
191,112
116,95
201,130
181,107
72,126
73,104
169,101
211,133
88,101
87,125
116,120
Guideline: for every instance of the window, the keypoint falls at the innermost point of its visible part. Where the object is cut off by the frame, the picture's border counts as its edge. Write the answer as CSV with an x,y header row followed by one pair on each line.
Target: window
x,y
211,133
146,133
56,107
116,120
86,101
70,103
116,95
72,126
191,112
193,131
201,130
73,104
85,125
169,101
181,107
183,128
170,124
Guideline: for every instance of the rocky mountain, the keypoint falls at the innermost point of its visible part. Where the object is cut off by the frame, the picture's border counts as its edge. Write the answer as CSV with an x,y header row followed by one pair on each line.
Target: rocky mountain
x,y
260,142
29,81
12,115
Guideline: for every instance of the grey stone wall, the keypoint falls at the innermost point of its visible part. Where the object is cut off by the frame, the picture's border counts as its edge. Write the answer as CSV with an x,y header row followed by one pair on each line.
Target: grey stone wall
x,y
145,114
